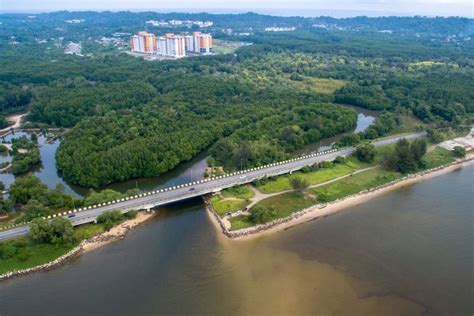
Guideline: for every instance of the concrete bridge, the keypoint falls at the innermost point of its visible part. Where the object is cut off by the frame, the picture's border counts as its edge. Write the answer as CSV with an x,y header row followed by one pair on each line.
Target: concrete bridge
x,y
152,199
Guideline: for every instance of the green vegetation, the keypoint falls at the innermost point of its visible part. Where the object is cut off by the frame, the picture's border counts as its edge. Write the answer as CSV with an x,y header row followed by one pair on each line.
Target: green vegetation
x,y
232,199
20,254
354,184
133,118
459,152
241,192
112,218
437,157
285,204
58,231
405,157
50,240
25,155
365,153
240,222
318,175
299,184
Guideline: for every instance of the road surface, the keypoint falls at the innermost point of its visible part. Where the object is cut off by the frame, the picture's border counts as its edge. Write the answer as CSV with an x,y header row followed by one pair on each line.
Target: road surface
x,y
152,199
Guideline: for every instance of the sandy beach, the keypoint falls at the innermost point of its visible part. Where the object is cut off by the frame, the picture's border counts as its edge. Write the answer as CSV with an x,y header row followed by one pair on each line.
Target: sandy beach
x,y
116,232
323,210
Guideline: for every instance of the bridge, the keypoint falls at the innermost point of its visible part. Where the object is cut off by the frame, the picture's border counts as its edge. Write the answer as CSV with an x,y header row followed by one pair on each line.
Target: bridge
x,y
152,199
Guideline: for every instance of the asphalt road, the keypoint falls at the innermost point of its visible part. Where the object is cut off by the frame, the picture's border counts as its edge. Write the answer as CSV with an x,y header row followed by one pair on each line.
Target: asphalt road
x,y
156,198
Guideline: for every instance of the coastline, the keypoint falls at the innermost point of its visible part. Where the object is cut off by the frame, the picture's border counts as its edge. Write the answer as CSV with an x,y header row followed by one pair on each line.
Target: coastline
x,y
115,233
326,209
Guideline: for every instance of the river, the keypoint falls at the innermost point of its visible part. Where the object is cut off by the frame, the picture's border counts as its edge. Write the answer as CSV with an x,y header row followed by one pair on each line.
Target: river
x,y
192,170
407,252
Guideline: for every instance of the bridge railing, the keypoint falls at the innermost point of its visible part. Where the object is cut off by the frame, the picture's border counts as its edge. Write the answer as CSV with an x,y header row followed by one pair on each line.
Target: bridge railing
x,y
171,188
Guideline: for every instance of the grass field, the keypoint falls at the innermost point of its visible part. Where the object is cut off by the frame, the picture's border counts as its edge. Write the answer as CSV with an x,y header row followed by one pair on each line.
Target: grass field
x,y
232,199
20,253
321,85
241,222
29,255
351,185
282,183
287,203
438,157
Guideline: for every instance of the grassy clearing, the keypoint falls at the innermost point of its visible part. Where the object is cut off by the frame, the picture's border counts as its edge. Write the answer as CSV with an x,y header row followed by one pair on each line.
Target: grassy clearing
x,y
225,47
287,203
351,185
240,192
437,157
232,199
87,231
28,255
282,183
21,253
240,222
222,206
321,85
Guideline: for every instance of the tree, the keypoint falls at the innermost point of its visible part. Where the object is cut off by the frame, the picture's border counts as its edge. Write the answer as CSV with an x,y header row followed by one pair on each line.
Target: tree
x,y
418,148
406,157
62,231
261,215
349,139
40,231
459,151
102,196
299,184
58,231
26,188
109,219
339,160
365,153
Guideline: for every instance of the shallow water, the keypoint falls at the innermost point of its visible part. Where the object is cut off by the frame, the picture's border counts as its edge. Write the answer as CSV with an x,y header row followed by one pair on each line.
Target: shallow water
x,y
407,252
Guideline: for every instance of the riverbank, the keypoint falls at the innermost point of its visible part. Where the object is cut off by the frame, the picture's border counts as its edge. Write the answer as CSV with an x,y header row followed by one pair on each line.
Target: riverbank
x,y
115,233
325,209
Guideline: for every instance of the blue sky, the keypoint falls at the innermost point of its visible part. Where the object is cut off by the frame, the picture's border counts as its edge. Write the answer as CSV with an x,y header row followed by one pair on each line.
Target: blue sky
x,y
283,7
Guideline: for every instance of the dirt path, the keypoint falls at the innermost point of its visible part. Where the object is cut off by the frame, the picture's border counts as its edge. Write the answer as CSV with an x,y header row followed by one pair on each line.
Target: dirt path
x,y
16,120
259,196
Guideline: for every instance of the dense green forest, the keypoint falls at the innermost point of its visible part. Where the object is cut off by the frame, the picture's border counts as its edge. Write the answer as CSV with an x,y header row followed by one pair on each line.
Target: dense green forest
x,y
135,118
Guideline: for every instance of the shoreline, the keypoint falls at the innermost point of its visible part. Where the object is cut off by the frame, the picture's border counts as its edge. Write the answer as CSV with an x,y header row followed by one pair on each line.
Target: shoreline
x,y
322,210
117,232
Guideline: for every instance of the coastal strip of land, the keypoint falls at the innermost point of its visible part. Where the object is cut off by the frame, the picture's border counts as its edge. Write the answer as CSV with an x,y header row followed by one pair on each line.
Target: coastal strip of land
x,y
325,209
115,233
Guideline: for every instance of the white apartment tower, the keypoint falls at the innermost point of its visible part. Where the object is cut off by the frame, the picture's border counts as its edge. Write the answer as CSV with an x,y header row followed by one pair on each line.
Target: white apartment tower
x,y
199,43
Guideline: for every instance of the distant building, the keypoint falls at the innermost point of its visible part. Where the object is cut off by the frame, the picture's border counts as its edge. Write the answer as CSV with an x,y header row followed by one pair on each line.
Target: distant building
x,y
280,29
72,48
143,43
170,44
199,43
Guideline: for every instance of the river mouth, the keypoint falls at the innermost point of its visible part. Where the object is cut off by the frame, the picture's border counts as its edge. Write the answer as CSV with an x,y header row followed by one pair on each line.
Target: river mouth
x,y
408,252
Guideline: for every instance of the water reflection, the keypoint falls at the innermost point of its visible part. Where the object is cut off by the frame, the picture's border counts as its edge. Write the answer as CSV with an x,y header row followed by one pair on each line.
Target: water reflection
x,y
185,172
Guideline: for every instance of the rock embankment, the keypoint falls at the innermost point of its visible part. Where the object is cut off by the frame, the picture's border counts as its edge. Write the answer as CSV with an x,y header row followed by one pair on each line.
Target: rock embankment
x,y
326,209
115,233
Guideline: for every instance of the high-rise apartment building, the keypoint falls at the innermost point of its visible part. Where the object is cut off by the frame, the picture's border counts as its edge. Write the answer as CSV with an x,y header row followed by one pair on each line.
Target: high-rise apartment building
x,y
170,44
199,43
143,43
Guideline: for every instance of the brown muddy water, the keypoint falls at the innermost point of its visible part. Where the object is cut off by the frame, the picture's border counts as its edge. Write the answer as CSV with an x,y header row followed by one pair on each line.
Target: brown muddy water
x,y
408,252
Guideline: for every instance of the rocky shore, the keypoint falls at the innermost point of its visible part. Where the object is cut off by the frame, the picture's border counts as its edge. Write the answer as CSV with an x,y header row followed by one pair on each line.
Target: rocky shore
x,y
326,209
115,233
